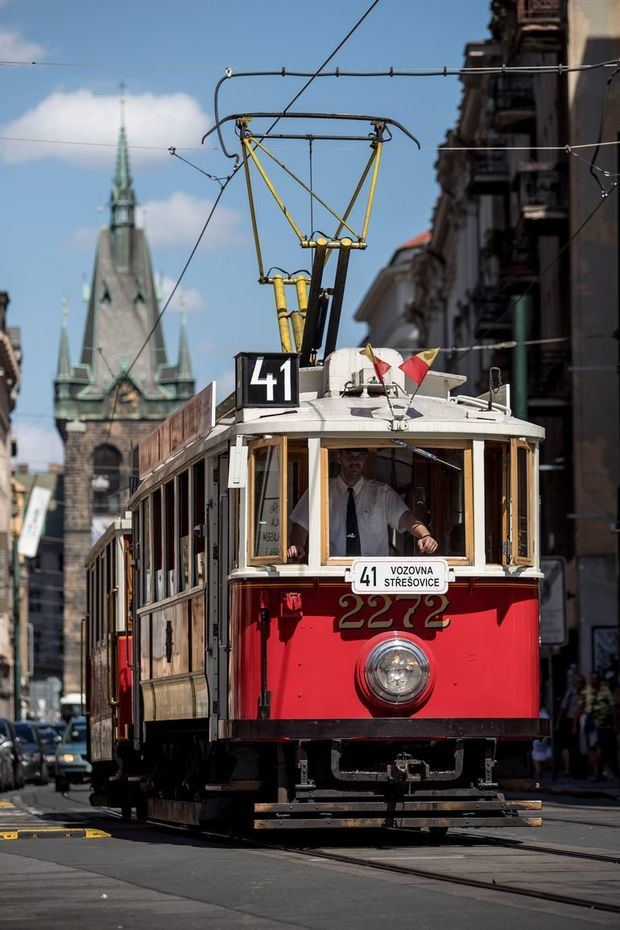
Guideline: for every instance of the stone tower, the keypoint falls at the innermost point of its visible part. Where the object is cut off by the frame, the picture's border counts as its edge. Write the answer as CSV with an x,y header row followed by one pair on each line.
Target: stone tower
x,y
113,397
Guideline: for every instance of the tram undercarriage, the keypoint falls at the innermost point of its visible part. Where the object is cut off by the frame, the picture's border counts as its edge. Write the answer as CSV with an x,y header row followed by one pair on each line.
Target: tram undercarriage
x,y
425,784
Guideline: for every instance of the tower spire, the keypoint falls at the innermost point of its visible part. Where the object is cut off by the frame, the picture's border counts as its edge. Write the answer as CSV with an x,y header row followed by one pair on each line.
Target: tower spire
x,y
184,364
123,199
65,371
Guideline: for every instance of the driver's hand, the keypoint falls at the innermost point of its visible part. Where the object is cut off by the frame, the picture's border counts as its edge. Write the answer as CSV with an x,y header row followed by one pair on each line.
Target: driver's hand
x,y
427,545
295,553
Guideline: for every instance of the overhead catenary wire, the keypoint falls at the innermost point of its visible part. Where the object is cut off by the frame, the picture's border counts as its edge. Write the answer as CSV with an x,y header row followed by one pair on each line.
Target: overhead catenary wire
x,y
441,71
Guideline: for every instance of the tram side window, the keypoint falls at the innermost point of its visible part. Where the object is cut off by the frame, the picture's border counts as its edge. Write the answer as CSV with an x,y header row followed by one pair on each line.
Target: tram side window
x,y
509,523
91,612
297,498
267,492
395,486
169,538
158,559
495,511
147,553
522,506
199,522
183,525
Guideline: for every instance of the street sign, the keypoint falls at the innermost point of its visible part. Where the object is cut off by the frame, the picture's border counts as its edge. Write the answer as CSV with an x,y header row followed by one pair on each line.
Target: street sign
x,y
36,511
553,627
399,576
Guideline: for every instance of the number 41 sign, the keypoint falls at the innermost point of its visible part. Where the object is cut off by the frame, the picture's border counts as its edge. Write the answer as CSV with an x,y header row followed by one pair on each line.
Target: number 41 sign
x,y
269,379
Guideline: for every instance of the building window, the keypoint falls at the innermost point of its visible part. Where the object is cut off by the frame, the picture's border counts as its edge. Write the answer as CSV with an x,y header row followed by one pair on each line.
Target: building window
x,y
106,482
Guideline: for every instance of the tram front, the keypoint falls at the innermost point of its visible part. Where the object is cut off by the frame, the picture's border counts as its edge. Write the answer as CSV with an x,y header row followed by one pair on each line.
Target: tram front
x,y
383,593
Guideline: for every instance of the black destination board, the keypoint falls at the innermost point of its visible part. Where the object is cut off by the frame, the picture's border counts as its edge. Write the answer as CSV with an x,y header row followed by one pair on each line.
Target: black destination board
x,y
267,379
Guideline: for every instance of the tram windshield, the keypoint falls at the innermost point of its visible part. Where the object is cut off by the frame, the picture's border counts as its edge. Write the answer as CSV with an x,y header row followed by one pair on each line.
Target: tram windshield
x,y
391,498
396,500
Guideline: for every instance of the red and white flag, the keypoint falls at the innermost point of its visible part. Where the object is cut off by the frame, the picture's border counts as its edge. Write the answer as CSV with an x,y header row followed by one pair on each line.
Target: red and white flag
x,y
380,366
416,367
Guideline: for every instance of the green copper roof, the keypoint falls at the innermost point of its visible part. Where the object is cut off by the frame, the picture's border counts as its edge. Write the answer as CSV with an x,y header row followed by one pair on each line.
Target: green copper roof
x,y
122,188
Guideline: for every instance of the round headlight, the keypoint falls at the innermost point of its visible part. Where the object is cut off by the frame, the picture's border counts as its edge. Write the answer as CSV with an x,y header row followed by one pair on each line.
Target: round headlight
x,y
397,671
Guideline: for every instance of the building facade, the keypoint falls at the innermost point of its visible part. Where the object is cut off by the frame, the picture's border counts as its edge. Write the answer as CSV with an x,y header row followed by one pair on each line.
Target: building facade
x,y
519,253
105,404
45,597
10,365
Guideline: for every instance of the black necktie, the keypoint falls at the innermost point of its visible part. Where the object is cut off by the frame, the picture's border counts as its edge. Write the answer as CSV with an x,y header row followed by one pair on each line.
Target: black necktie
x,y
353,535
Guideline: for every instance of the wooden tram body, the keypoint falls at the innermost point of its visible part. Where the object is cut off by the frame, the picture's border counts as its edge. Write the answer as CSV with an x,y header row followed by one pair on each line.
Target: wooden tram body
x,y
252,699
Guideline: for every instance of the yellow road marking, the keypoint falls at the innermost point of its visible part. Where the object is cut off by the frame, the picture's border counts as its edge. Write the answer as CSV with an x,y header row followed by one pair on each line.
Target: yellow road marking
x,y
7,804
35,832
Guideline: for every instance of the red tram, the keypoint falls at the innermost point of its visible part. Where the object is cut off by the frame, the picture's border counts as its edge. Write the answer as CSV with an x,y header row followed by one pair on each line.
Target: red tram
x,y
230,681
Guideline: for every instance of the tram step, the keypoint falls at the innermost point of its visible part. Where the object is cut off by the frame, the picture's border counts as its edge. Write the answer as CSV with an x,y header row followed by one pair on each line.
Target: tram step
x,y
297,823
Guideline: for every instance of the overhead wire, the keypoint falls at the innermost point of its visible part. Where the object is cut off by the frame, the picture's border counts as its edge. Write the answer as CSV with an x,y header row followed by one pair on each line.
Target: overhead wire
x,y
442,71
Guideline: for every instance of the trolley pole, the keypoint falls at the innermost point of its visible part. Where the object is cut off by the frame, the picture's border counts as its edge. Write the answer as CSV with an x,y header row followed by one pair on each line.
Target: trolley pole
x,y
520,320
17,665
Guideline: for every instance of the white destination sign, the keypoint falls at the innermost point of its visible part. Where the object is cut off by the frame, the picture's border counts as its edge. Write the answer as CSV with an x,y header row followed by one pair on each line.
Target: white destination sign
x,y
400,576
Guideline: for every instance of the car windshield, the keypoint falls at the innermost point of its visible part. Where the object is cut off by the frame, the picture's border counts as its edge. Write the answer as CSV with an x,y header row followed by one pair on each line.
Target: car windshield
x,y
25,731
75,734
50,736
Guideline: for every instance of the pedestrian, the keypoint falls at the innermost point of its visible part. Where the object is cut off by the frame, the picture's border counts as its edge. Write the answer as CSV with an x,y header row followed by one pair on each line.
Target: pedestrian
x,y
567,726
542,751
597,725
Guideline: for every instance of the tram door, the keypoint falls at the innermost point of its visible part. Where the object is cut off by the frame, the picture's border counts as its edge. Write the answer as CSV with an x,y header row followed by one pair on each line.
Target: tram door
x,y
217,634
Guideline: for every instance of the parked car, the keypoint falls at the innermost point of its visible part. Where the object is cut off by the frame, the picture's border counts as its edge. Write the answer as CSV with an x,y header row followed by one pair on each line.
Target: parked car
x,y
72,766
51,735
7,778
7,730
33,752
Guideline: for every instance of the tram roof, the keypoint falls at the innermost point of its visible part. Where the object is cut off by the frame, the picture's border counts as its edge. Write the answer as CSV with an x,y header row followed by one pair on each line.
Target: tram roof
x,y
330,407
118,525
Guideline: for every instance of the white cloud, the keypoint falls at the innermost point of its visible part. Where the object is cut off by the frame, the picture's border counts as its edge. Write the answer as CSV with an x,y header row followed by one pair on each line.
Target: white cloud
x,y
178,220
188,299
174,222
37,445
13,47
81,116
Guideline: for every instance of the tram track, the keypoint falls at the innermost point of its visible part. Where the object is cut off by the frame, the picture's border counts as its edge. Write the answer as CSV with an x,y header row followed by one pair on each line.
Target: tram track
x,y
461,880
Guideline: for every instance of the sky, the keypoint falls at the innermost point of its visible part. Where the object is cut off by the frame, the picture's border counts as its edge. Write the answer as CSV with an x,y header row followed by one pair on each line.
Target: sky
x,y
56,186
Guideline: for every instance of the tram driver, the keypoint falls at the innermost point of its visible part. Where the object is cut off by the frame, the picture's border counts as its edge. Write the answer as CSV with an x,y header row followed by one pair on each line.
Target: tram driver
x,y
360,511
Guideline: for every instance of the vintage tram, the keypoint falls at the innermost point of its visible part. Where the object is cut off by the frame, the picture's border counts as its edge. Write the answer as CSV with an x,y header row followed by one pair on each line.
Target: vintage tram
x,y
236,679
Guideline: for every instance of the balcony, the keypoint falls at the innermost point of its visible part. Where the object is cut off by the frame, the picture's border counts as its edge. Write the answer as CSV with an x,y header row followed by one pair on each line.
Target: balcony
x,y
514,104
547,375
542,196
540,24
488,172
511,260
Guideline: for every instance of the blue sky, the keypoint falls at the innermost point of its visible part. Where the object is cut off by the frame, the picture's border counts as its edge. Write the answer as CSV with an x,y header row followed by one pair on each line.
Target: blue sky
x,y
52,194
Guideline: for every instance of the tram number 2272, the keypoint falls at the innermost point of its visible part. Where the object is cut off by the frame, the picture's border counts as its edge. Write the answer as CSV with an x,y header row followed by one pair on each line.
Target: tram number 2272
x,y
357,617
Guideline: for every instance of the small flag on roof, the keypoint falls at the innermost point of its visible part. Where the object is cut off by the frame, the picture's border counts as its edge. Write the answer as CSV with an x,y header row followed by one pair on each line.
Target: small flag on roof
x,y
380,366
416,367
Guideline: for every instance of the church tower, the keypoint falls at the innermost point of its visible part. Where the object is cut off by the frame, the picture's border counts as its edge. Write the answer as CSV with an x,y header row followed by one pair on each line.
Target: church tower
x,y
122,386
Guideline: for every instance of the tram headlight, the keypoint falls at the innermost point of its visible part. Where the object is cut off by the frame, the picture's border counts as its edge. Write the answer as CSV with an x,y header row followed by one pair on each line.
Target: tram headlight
x,y
397,671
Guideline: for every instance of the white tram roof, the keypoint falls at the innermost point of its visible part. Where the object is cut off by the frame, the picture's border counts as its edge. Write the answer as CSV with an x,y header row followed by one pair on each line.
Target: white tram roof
x,y
116,527
342,397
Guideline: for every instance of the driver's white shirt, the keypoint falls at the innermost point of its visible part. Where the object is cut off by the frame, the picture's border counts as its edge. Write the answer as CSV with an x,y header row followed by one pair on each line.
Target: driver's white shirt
x,y
377,506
